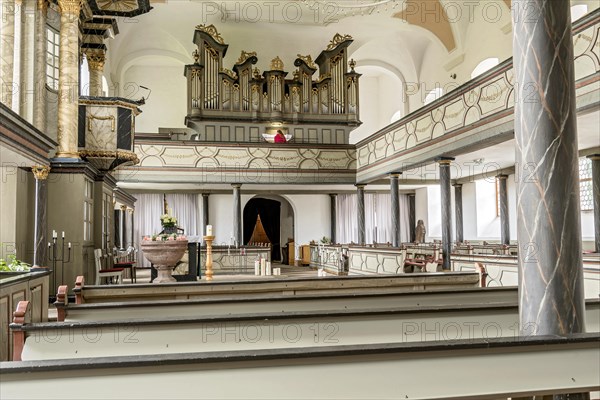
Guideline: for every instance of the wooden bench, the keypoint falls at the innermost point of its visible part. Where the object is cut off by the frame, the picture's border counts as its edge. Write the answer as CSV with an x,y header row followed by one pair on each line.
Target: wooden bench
x,y
266,330
274,285
248,304
462,369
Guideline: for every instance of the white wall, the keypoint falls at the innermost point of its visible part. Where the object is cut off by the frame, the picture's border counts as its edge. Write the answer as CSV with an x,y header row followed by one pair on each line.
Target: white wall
x,y
313,216
469,211
166,106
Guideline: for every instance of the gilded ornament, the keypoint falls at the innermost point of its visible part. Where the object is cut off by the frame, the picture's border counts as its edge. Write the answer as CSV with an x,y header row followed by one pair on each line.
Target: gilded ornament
x,y
212,32
40,172
196,57
229,73
308,61
337,40
71,7
96,60
245,56
276,64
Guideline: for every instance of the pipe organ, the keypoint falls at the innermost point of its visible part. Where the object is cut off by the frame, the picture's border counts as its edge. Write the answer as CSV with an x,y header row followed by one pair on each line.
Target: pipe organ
x,y
244,94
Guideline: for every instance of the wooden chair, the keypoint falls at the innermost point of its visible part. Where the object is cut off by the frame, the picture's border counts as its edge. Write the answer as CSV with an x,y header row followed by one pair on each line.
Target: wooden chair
x,y
125,263
106,273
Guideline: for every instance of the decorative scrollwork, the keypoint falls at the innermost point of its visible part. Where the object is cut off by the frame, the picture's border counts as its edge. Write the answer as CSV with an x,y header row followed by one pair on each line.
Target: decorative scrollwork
x,y
212,32
229,73
308,61
337,40
245,55
276,64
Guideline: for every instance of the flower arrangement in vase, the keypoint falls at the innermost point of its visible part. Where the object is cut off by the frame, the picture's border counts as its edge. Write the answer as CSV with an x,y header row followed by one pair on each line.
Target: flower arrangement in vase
x,y
169,223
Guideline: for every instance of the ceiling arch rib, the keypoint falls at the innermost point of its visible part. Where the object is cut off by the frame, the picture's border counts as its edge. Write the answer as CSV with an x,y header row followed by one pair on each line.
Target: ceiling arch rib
x,y
431,16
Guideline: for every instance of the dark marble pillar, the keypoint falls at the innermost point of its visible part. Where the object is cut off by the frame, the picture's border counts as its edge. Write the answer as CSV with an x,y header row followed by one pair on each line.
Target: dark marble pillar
x,y
458,212
40,223
446,211
204,212
504,218
131,226
333,199
596,195
551,297
394,177
360,213
123,228
412,217
237,213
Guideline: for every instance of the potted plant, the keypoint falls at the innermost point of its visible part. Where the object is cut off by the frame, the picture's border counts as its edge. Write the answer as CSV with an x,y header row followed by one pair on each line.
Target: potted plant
x,y
169,223
14,265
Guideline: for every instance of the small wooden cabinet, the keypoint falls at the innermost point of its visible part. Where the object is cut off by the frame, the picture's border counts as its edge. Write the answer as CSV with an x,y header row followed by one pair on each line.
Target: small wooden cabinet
x,y
305,254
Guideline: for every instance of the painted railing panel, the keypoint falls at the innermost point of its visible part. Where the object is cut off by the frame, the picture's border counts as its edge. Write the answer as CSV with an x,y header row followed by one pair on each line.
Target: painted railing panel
x,y
487,100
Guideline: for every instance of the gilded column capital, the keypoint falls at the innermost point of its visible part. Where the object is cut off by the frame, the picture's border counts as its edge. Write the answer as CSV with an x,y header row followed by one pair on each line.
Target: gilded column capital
x,y
42,6
96,59
40,172
71,7
123,208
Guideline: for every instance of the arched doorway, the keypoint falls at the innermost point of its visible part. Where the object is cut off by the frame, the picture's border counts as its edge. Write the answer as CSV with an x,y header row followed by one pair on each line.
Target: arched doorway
x,y
277,218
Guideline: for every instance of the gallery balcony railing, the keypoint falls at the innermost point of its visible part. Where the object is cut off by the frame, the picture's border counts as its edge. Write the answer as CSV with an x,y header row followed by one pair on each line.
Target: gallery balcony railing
x,y
479,110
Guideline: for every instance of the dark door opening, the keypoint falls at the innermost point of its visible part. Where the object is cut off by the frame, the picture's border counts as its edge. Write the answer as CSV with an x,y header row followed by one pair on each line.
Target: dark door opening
x,y
270,216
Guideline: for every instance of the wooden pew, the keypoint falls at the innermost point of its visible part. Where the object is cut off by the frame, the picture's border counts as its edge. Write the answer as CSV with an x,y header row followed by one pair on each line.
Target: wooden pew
x,y
274,285
267,330
502,270
473,369
247,304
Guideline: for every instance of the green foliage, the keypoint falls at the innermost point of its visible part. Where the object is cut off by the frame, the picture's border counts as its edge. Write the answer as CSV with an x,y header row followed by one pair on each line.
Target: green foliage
x,y
14,265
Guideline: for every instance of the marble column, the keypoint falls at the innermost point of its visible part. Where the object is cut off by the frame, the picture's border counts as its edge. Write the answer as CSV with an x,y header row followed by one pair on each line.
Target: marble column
x,y
40,222
360,212
7,52
394,177
204,212
68,79
504,218
551,297
412,217
596,196
95,59
39,70
446,199
333,210
237,213
458,212
27,60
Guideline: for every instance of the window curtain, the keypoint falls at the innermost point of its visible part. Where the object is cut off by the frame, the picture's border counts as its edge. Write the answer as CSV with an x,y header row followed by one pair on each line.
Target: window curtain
x,y
347,225
383,220
378,218
404,219
186,208
370,217
148,209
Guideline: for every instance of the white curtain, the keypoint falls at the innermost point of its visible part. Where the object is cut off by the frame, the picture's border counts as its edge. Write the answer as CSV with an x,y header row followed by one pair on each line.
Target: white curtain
x,y
370,217
347,224
186,208
404,219
383,222
378,218
148,209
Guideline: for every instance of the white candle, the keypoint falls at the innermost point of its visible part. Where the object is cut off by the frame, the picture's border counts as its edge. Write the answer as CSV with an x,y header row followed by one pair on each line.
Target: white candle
x,y
256,267
209,231
69,244
63,234
54,234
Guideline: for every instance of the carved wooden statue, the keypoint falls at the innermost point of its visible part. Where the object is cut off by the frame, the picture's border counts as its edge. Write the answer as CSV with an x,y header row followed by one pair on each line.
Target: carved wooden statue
x,y
420,232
